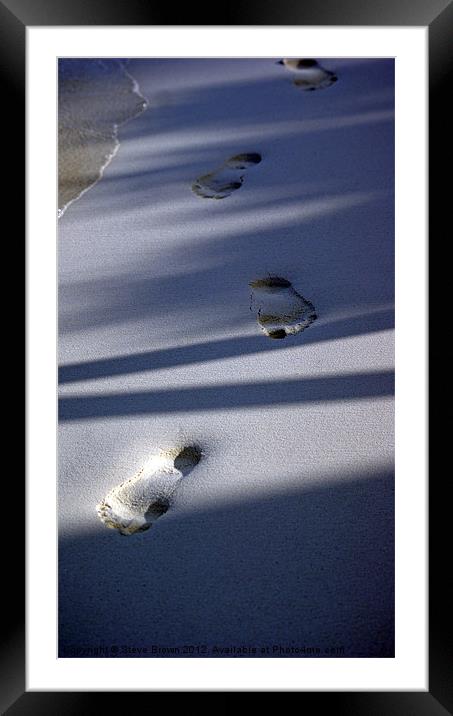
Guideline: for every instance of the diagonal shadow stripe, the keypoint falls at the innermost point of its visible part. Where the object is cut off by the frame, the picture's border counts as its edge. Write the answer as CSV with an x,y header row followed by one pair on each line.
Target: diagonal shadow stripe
x,y
219,349
228,396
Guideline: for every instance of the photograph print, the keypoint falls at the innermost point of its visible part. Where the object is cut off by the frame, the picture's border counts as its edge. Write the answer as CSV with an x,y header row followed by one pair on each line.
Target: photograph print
x,y
226,357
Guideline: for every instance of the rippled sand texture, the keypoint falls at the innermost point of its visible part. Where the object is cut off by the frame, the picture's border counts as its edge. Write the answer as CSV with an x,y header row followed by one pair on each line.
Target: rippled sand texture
x,y
94,98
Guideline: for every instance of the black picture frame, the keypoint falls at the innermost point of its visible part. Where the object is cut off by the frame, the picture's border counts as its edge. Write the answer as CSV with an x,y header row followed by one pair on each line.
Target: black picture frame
x,y
437,15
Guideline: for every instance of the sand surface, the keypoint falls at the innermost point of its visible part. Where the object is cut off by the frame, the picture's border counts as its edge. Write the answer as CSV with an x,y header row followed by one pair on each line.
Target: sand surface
x,y
282,535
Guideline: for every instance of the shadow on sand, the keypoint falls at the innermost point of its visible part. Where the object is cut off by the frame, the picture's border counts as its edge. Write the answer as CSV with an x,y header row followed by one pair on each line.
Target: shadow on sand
x,y
307,566
219,349
224,396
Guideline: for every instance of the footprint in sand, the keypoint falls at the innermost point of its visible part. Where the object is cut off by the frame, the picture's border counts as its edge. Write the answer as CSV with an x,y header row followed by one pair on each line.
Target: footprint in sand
x,y
137,503
310,75
223,181
281,311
